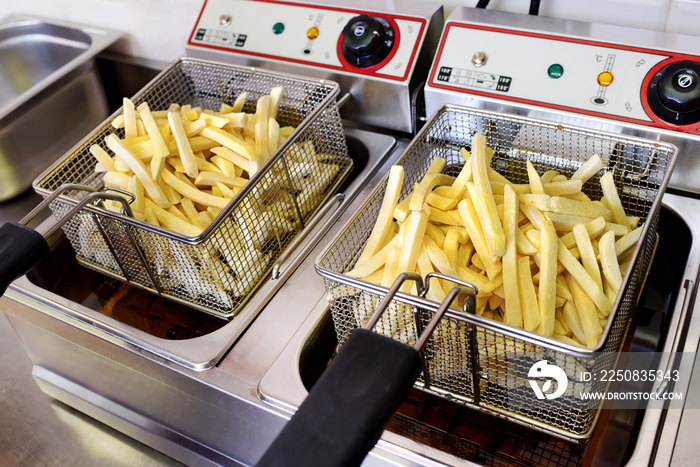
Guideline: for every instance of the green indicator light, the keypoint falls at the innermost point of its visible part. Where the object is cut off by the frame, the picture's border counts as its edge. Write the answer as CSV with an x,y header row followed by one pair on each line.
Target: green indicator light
x,y
278,28
555,71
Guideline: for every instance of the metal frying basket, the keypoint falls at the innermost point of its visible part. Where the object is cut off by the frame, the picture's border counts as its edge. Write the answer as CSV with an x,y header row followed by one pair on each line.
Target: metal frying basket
x,y
219,270
474,360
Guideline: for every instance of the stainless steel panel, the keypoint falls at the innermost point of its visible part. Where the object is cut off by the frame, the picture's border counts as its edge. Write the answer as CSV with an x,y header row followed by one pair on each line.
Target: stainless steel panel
x,y
50,94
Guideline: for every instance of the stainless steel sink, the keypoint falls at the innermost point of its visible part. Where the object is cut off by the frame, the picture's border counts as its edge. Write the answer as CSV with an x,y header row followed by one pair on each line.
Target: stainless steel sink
x,y
50,94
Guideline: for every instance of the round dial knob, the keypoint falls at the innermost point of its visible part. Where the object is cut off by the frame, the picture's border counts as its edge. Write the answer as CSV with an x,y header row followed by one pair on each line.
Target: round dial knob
x,y
674,92
367,40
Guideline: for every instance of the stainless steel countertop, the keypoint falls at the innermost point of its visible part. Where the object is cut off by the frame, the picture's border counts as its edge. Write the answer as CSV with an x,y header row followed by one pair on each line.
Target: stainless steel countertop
x,y
38,430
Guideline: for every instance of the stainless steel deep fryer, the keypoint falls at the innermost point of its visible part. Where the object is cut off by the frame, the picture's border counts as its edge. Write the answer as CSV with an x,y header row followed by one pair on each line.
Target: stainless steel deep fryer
x,y
218,270
480,362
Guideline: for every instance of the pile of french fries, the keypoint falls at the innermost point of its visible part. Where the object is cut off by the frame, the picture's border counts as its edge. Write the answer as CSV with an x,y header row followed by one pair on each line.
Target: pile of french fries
x,y
183,165
543,255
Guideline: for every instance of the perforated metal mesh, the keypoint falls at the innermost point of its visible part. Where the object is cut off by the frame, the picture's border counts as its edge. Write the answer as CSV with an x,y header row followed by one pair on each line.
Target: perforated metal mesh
x,y
473,360
218,271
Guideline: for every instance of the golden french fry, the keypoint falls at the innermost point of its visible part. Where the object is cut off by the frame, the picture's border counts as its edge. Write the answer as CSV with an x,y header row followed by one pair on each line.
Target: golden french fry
x,y
607,184
426,186
171,221
384,222
608,261
183,145
234,143
194,194
129,112
547,292
588,256
470,220
536,186
139,169
102,157
586,312
528,296
589,168
415,231
483,201
584,279
376,261
513,312
627,242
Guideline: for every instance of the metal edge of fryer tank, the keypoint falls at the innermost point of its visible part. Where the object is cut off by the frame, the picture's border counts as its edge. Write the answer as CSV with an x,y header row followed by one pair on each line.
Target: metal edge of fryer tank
x,y
201,353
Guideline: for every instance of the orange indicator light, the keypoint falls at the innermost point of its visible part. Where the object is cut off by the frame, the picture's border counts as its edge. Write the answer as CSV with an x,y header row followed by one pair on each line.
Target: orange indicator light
x,y
605,78
312,33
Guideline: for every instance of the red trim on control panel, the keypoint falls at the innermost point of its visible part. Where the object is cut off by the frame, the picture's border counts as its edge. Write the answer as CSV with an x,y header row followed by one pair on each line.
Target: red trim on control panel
x,y
372,71
657,122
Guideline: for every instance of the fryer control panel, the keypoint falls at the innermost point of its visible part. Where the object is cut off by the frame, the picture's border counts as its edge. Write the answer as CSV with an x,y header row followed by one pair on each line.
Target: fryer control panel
x,y
378,44
633,84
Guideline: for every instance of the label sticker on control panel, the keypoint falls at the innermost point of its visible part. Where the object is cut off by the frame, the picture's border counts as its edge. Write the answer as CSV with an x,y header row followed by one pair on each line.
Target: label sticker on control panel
x,y
474,79
220,38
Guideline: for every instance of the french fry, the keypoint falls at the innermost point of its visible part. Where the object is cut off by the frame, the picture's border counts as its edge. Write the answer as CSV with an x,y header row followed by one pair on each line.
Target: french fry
x,y
103,158
261,135
586,312
584,279
607,183
589,168
230,141
588,256
239,103
627,242
275,97
513,314
536,186
130,128
171,221
139,169
528,296
426,185
195,195
549,249
608,261
415,231
471,221
483,201
384,221
183,145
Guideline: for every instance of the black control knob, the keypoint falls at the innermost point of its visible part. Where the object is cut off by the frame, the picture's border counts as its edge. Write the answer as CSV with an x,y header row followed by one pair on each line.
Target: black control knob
x,y
367,40
674,92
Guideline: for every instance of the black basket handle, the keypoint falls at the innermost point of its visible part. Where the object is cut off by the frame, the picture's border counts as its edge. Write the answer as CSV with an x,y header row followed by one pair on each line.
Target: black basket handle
x,y
347,409
21,247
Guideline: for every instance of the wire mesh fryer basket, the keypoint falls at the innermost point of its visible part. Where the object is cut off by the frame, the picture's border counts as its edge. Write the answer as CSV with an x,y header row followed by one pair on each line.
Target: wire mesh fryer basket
x,y
219,270
480,362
